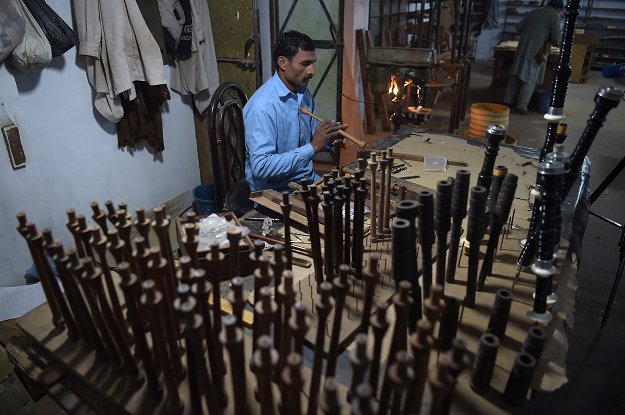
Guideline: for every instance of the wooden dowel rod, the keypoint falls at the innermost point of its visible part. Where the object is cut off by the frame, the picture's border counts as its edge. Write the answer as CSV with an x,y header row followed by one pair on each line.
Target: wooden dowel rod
x,y
360,144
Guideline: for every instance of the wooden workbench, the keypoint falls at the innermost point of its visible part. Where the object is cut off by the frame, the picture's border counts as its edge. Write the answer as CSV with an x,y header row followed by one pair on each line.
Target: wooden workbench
x,y
66,388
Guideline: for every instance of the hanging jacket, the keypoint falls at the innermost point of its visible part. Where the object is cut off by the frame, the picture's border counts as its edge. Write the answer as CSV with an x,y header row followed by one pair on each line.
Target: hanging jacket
x,y
119,48
199,75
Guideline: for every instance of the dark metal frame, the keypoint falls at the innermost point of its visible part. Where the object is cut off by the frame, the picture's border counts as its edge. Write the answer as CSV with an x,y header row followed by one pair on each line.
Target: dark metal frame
x,y
619,273
336,43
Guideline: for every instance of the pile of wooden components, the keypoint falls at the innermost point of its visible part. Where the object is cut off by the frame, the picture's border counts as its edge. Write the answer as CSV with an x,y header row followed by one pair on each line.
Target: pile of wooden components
x,y
166,354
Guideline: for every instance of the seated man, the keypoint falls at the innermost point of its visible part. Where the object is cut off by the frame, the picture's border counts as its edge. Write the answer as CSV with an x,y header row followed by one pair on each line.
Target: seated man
x,y
280,141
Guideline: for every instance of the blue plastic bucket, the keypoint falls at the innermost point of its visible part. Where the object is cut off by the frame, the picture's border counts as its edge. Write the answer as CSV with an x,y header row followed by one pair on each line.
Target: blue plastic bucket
x,y
204,196
542,105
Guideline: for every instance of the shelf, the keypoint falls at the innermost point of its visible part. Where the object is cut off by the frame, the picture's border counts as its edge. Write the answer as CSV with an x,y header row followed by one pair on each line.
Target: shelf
x,y
614,19
611,48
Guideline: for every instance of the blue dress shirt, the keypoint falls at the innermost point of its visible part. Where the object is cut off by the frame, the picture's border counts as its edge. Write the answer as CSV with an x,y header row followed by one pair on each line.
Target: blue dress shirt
x,y
278,136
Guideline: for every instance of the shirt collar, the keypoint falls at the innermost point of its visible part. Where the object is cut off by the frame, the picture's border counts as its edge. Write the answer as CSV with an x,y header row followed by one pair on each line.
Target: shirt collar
x,y
283,91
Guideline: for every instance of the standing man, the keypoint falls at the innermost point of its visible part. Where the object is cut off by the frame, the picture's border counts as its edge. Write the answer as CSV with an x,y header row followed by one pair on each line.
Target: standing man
x,y
539,29
280,141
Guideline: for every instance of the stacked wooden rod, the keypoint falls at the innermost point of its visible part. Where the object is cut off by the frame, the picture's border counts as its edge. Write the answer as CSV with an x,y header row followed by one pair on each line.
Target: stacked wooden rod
x,y
154,327
166,309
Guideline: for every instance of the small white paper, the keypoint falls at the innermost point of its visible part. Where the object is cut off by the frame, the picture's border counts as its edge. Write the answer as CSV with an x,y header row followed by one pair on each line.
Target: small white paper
x,y
435,163
17,301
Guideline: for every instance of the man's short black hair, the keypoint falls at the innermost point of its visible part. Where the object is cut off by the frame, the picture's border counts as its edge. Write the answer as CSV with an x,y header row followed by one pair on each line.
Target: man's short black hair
x,y
556,4
289,43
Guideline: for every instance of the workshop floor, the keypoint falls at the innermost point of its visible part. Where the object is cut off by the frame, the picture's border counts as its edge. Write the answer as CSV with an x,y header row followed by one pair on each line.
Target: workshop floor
x,y
595,360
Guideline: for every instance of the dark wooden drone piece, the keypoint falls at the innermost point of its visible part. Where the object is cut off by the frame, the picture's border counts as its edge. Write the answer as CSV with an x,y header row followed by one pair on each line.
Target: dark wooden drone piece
x,y
323,307
264,359
372,276
341,287
152,300
232,337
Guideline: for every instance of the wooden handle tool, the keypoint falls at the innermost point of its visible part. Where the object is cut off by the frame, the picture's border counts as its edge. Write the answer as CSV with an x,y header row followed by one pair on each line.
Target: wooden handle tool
x,y
360,144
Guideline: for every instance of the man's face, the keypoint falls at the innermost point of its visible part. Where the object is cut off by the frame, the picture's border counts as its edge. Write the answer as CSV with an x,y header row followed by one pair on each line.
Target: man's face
x,y
300,70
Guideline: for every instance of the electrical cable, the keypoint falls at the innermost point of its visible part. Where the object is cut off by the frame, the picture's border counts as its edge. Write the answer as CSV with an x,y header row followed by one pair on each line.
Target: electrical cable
x,y
366,102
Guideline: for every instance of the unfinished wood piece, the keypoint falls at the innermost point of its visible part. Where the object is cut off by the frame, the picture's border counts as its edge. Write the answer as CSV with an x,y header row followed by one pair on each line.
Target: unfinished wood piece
x,y
373,166
362,58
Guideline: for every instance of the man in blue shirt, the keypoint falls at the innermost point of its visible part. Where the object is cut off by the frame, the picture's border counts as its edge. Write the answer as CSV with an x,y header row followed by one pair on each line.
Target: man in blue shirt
x,y
280,141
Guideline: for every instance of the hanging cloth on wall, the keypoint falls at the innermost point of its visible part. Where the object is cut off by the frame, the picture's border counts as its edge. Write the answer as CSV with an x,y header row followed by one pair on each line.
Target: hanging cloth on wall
x,y
120,50
152,17
492,14
198,75
142,117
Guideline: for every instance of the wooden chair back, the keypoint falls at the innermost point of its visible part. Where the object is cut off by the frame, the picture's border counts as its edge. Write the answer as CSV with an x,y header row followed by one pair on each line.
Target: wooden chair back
x,y
226,135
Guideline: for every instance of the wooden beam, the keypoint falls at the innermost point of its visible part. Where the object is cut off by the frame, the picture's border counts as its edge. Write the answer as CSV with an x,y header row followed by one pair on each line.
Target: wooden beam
x,y
362,58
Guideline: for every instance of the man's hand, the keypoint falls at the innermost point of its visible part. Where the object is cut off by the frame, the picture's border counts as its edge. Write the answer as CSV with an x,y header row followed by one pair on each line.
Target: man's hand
x,y
326,133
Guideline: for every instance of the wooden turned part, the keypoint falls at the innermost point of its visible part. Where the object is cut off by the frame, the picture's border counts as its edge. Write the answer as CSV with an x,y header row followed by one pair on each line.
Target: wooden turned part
x,y
372,276
110,207
71,215
123,206
359,362
364,402
286,295
191,217
122,219
192,230
159,216
116,245
264,358
99,216
232,338
265,308
48,239
185,273
362,165
21,219
140,215
152,299
141,254
258,250
424,329
234,236
329,400
459,358
440,383
292,381
380,326
94,277
238,298
82,223
433,304
323,306
299,324
184,293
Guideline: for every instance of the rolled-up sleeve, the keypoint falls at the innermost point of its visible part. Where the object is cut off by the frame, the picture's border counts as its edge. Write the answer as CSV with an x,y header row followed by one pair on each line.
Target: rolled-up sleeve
x,y
260,141
87,16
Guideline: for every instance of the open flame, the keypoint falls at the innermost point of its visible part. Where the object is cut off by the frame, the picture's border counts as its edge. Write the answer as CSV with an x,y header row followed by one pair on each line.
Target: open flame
x,y
393,88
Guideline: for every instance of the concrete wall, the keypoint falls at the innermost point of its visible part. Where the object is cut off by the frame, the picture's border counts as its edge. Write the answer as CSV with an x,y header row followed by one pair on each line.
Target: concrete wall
x,y
72,154
491,37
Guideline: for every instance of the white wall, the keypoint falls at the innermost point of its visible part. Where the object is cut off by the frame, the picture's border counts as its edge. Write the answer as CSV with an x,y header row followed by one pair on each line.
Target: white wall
x,y
491,37
72,155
